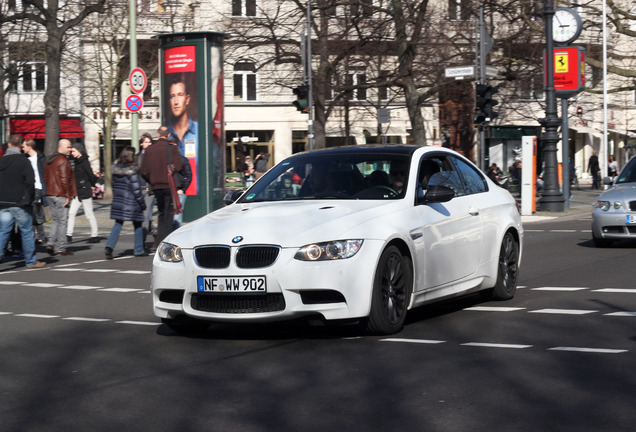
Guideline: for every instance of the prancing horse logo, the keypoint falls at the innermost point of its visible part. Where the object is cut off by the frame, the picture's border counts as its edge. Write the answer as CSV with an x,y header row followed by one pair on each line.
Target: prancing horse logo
x,y
237,239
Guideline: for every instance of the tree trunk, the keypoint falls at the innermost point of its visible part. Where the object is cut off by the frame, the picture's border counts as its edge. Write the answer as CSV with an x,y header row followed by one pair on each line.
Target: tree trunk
x,y
52,95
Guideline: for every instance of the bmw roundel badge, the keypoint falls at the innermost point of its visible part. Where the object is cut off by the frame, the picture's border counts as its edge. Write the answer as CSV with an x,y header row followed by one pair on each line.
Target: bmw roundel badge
x,y
237,239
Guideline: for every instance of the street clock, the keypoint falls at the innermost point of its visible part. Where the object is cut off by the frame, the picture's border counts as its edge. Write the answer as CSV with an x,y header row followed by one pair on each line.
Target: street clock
x,y
566,25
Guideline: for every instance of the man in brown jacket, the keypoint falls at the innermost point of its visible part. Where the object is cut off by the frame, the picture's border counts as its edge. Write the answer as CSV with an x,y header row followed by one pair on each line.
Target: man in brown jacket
x,y
60,190
154,169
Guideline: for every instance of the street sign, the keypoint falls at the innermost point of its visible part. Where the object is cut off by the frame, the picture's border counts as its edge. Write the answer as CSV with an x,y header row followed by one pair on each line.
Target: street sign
x,y
384,115
137,80
569,70
134,103
460,72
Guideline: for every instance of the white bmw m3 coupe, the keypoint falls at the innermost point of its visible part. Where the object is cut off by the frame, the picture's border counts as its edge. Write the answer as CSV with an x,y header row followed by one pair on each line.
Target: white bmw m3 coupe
x,y
362,233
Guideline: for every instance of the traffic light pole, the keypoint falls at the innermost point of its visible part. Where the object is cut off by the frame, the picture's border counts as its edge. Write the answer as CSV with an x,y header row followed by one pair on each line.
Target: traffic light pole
x,y
551,197
310,96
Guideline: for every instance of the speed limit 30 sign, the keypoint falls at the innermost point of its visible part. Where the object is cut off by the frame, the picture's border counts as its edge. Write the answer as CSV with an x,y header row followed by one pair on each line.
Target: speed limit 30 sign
x,y
137,80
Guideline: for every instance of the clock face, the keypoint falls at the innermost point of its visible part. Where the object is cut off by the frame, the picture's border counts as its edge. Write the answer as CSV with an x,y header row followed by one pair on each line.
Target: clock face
x,y
566,25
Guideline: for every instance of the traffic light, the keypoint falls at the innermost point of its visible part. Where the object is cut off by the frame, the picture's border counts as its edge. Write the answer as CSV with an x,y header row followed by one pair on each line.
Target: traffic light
x,y
302,98
484,103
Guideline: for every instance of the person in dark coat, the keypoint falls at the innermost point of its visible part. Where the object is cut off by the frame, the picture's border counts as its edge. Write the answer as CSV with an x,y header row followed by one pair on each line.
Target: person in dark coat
x,y
85,181
128,202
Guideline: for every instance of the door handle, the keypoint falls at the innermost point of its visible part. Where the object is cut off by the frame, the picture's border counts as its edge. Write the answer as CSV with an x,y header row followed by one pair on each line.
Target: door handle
x,y
473,211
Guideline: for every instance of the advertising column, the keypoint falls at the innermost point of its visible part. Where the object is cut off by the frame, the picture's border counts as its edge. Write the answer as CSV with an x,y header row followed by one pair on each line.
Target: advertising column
x,y
191,79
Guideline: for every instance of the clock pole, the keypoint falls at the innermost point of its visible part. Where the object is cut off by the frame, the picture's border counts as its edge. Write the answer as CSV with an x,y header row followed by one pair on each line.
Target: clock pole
x,y
551,197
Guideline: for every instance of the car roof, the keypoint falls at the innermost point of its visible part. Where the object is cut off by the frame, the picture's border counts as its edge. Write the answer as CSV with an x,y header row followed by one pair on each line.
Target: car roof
x,y
395,149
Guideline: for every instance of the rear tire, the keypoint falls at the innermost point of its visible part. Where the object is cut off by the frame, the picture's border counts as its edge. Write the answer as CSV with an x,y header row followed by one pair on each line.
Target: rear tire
x,y
391,293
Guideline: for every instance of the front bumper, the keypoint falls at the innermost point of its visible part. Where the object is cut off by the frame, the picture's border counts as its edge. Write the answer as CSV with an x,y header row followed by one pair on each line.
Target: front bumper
x,y
612,225
339,289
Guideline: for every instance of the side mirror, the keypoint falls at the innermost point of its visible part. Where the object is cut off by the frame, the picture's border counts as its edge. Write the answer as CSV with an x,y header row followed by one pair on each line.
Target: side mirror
x,y
607,180
232,196
435,194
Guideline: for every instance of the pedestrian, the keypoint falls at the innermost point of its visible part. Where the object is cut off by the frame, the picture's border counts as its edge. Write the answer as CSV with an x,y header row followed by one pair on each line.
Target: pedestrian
x,y
36,158
182,180
85,181
154,169
260,165
60,191
16,195
128,202
248,171
594,168
144,142
612,167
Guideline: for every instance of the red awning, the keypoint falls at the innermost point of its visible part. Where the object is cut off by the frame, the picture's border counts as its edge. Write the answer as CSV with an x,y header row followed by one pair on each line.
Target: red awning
x,y
34,128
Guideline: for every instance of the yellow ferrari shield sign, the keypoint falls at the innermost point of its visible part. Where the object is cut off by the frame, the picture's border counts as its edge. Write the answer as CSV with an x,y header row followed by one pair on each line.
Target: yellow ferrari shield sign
x,y
561,63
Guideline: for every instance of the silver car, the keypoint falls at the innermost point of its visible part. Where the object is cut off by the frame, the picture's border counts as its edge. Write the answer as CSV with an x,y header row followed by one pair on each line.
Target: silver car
x,y
614,212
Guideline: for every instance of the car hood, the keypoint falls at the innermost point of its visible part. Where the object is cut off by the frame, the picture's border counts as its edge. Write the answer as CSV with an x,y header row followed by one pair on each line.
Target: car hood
x,y
622,192
288,224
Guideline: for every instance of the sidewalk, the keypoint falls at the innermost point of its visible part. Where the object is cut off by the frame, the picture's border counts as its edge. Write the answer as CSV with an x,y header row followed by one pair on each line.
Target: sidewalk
x,y
581,203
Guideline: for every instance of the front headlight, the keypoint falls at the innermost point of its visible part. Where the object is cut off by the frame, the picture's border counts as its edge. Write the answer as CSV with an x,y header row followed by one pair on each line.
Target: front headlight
x,y
603,205
169,253
337,249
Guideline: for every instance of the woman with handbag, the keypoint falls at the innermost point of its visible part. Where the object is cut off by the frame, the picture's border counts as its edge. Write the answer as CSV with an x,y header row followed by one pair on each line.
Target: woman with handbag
x,y
85,180
128,201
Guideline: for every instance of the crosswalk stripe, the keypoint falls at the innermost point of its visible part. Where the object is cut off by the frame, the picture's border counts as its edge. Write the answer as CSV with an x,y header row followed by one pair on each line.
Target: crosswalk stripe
x,y
563,311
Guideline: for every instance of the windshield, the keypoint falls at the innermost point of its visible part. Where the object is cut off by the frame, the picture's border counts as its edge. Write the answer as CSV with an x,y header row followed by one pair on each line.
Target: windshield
x,y
334,176
628,174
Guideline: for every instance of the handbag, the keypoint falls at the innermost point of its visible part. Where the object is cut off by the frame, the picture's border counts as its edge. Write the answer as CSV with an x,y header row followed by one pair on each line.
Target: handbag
x,y
176,203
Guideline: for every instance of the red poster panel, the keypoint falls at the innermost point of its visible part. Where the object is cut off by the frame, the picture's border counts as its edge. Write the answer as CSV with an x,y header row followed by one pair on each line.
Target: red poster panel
x,y
180,90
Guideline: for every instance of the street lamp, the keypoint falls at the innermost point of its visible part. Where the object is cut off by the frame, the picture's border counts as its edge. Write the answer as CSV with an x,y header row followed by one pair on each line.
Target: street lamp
x,y
551,198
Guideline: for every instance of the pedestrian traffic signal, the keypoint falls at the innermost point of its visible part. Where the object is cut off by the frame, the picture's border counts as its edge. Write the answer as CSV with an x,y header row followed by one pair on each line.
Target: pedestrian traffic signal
x,y
302,98
484,103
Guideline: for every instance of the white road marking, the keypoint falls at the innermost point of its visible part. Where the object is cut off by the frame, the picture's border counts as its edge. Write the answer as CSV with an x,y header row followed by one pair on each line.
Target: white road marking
x,y
563,230
496,345
6,313
38,316
145,323
535,230
120,289
87,319
43,285
67,269
417,341
137,272
589,350
622,314
563,311
564,289
493,309
101,270
11,283
617,290
80,287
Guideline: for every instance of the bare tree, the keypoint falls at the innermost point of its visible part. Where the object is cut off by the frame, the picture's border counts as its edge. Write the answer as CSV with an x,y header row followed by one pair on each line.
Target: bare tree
x,y
57,17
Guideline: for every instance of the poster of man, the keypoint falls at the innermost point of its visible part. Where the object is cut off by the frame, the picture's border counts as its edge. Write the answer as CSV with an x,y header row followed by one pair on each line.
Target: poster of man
x,y
182,102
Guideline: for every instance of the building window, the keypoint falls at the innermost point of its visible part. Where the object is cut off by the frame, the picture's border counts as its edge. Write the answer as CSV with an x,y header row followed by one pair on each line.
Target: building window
x,y
244,81
30,77
530,88
383,88
362,8
356,81
245,8
459,10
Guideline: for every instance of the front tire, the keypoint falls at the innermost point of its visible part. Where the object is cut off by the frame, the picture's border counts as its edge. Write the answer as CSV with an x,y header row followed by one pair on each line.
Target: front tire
x,y
507,269
391,293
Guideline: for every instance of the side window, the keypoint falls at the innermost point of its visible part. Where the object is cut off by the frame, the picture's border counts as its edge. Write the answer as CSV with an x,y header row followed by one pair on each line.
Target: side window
x,y
438,170
475,182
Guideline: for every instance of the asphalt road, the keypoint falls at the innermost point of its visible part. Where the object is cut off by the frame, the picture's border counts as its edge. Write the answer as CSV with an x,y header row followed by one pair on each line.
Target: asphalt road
x,y
80,350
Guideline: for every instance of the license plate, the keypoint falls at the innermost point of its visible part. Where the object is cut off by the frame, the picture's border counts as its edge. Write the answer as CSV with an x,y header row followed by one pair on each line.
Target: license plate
x,y
232,284
631,219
